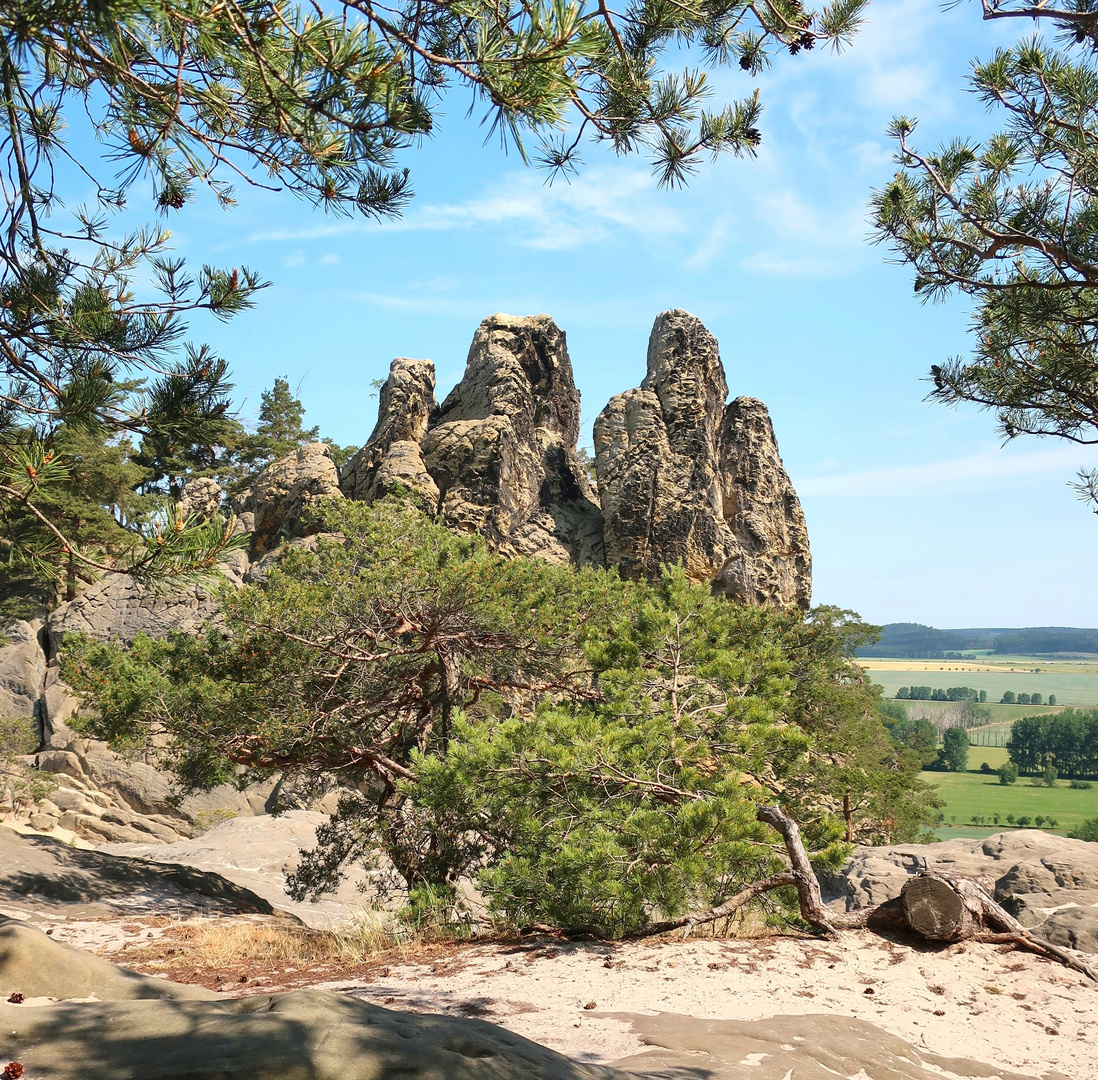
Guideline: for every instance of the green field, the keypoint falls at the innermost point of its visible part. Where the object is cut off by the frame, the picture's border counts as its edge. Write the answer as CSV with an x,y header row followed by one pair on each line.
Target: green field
x,y
971,794
1073,682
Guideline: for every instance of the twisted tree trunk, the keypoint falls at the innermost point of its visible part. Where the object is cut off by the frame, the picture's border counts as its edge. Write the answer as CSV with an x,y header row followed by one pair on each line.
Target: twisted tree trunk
x,y
935,904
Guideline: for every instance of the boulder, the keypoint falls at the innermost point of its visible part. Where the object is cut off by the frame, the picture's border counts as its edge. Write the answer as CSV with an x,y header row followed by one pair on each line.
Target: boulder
x,y
257,853
392,455
1072,928
284,495
683,477
1040,878
308,1034
502,448
45,879
22,670
201,498
36,966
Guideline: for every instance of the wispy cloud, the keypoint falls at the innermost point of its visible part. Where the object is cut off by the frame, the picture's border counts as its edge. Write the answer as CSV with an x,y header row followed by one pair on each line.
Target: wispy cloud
x,y
984,471
564,216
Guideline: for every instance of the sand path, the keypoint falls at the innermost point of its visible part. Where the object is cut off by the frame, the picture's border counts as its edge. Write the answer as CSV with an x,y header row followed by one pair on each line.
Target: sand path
x,y
983,1002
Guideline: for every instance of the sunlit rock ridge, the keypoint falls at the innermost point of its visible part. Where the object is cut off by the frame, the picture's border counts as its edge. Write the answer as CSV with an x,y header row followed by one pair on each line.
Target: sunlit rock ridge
x,y
681,475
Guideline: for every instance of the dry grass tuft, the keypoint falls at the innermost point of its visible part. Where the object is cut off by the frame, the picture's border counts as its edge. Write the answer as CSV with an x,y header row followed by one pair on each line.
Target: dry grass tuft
x,y
225,943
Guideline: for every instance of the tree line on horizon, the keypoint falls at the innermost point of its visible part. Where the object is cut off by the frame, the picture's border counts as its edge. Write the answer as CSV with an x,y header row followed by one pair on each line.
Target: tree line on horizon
x,y
915,641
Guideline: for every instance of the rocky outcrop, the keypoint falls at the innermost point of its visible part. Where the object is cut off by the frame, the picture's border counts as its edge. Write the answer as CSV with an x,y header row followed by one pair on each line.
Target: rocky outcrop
x,y
46,882
201,498
22,670
283,498
118,608
502,448
1048,882
683,477
773,564
36,966
132,1028
257,853
392,455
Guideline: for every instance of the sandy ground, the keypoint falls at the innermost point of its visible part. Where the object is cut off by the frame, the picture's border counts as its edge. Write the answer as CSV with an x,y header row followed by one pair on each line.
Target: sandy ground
x,y
983,1002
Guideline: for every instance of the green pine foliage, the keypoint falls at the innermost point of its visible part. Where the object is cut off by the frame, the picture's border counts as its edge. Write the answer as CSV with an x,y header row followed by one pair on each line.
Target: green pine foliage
x,y
95,505
594,749
1010,221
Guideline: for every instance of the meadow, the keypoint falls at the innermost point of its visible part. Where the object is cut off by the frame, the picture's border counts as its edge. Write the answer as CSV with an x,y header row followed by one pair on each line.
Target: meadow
x,y
1074,682
973,794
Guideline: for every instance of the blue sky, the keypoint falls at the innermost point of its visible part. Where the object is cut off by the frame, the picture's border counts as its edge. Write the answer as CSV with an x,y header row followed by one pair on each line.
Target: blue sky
x,y
914,511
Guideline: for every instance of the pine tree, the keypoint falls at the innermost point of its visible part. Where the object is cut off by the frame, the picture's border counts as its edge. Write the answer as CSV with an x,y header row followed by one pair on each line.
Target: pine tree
x,y
96,505
279,431
1010,221
597,748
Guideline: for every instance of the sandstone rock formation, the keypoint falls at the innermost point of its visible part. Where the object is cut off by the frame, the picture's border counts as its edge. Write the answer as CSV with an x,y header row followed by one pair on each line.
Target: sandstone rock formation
x,y
684,477
201,498
502,448
1048,882
22,670
773,564
118,608
48,883
135,1029
36,966
257,853
284,493
392,455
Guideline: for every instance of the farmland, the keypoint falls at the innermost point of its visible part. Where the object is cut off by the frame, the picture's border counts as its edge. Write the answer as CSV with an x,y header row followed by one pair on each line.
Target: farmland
x,y
1073,682
973,794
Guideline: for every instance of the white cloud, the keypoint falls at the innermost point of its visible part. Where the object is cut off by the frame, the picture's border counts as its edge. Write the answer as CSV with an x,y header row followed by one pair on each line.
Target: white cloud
x,y
330,259
563,216
984,471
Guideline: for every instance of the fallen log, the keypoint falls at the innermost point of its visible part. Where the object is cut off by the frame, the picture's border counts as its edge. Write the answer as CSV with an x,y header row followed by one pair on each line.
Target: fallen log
x,y
936,905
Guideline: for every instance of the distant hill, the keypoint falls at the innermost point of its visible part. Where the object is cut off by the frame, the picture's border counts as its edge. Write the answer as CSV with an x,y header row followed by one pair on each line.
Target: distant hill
x,y
918,642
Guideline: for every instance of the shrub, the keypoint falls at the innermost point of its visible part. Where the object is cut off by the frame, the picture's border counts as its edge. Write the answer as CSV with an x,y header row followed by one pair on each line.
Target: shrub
x,y
1008,773
1049,775
1039,820
985,767
1081,785
1022,822
1087,831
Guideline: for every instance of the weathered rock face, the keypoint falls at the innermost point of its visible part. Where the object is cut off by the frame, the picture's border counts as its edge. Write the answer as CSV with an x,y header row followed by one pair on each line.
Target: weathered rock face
x,y
22,670
684,477
284,493
1048,882
502,449
118,608
392,455
201,497
773,564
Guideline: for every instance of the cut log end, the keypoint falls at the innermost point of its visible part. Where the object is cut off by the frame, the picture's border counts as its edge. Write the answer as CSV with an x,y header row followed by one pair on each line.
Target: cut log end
x,y
936,911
